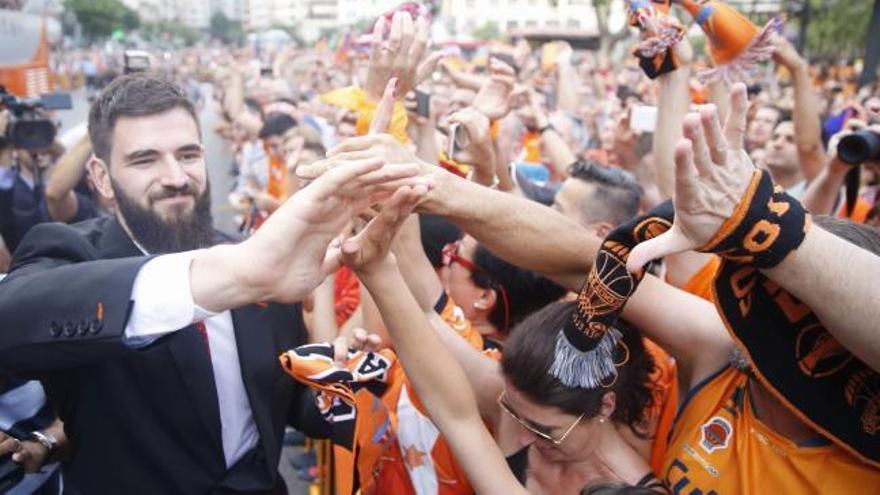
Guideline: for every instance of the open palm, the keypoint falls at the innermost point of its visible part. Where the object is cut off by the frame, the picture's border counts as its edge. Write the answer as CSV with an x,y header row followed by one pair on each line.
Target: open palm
x,y
712,174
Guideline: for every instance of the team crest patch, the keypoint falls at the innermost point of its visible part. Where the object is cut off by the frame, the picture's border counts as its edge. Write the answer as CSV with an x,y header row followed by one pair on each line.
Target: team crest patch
x,y
716,434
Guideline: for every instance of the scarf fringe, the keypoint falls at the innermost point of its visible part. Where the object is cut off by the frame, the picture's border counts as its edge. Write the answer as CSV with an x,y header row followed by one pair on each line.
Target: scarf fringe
x,y
585,369
662,43
758,50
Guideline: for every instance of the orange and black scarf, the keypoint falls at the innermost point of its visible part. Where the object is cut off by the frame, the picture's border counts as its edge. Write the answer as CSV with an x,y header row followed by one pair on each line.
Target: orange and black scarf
x,y
791,352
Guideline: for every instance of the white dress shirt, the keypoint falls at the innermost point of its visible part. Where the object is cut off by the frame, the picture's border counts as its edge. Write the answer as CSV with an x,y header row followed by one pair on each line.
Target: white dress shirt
x,y
163,303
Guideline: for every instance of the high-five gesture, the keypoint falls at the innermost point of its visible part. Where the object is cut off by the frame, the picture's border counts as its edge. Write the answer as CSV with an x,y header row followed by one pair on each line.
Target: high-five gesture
x,y
712,174
404,55
370,248
288,256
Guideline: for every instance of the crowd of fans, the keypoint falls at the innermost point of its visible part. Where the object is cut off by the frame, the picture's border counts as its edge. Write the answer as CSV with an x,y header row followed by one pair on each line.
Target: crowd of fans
x,y
458,223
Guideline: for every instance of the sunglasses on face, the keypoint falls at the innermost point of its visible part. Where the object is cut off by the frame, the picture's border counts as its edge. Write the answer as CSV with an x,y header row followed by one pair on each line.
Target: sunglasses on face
x,y
539,433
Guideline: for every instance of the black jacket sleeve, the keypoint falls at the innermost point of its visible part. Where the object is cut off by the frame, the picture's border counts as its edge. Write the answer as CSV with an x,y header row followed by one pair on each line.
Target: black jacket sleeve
x,y
61,306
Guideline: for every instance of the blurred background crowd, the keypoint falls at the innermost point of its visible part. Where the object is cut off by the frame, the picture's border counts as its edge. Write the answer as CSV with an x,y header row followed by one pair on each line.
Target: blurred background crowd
x,y
541,99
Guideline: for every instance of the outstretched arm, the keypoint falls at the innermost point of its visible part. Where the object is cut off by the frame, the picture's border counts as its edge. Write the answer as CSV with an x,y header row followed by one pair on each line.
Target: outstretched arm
x,y
685,325
807,124
483,373
60,198
834,278
520,231
434,373
838,281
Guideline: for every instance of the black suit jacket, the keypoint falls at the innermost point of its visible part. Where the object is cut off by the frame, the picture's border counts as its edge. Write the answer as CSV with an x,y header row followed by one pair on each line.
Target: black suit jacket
x,y
140,420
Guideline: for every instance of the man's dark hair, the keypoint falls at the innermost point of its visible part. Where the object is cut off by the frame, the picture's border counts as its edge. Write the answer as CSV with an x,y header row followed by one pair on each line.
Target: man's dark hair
x,y
617,194
784,115
255,107
529,353
277,124
132,96
863,236
526,291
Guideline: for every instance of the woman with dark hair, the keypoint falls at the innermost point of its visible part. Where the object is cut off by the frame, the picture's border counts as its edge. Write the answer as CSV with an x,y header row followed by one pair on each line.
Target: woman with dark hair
x,y
580,436
571,437
495,295
577,433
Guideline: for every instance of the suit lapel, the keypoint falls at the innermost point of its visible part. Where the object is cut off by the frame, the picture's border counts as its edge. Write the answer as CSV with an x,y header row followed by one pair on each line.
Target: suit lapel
x,y
194,364
257,354
186,346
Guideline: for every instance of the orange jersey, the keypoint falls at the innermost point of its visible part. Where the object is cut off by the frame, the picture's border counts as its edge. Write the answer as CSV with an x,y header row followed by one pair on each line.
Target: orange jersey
x,y
531,142
702,281
719,447
664,381
418,461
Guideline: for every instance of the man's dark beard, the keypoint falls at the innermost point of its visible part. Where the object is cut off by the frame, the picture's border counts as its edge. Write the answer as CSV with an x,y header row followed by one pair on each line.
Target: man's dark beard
x,y
157,236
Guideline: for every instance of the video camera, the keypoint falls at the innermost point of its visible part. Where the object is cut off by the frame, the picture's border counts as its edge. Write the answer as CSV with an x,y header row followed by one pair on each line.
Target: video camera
x,y
859,147
136,62
27,126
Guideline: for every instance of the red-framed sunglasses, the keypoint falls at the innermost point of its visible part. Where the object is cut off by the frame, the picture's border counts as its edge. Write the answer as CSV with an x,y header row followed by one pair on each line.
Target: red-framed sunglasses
x,y
450,256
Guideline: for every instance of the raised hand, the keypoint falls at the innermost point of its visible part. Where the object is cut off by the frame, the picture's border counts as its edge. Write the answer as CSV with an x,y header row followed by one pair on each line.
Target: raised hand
x,y
287,255
786,55
712,174
477,144
376,145
493,98
369,250
404,55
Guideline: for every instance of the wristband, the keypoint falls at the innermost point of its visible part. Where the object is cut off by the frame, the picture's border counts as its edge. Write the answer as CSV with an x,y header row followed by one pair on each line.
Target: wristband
x,y
765,227
589,347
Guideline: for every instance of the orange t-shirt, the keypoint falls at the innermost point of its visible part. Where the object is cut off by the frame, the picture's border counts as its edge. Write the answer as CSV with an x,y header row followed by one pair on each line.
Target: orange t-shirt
x,y
531,142
719,447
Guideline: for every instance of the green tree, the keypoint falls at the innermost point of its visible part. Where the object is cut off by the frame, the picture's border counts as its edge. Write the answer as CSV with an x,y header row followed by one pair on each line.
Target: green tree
x,y
838,28
131,20
225,29
177,32
99,18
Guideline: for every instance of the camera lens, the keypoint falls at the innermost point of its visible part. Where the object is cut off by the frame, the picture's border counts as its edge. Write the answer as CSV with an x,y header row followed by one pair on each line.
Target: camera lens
x,y
859,147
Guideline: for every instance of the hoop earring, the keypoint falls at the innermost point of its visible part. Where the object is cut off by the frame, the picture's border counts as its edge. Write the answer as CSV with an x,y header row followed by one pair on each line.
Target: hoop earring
x,y
625,355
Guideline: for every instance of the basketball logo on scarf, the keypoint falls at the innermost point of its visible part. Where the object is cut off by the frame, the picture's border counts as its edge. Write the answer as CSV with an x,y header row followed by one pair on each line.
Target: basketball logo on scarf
x,y
863,391
818,353
589,349
610,286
